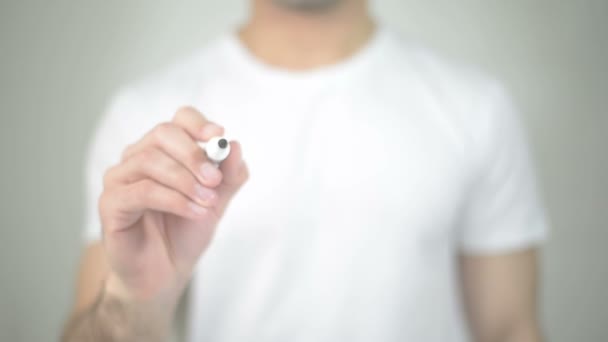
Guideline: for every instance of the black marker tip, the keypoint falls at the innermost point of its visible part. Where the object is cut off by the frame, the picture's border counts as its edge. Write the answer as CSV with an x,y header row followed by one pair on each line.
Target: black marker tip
x,y
222,143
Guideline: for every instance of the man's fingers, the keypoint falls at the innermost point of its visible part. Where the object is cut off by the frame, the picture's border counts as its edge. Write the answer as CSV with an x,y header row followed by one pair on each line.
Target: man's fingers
x,y
129,202
197,126
157,156
175,142
161,168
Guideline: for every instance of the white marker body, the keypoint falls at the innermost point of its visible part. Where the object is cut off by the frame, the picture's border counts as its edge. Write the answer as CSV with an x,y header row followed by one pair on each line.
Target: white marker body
x,y
215,153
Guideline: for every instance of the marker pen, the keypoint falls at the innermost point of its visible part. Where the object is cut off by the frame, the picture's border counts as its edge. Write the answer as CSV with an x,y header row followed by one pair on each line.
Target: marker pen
x,y
217,149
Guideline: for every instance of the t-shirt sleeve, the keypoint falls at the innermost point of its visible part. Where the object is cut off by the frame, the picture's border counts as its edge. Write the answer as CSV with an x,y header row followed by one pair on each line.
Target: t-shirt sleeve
x,y
503,210
105,149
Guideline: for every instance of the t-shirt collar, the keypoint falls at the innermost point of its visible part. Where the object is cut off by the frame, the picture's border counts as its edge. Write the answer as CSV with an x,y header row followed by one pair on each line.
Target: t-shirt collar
x,y
241,58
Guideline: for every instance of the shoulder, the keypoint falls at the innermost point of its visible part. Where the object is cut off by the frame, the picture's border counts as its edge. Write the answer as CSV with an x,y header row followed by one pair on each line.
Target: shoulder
x,y
466,97
455,82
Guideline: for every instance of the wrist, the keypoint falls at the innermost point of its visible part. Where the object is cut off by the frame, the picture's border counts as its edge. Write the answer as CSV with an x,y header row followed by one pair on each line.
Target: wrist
x,y
157,302
118,317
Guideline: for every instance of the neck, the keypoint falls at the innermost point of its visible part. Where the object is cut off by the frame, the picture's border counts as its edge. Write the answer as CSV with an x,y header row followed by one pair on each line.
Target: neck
x,y
305,40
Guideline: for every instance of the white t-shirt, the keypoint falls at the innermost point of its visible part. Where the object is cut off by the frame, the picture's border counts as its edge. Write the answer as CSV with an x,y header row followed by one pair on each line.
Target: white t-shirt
x,y
368,177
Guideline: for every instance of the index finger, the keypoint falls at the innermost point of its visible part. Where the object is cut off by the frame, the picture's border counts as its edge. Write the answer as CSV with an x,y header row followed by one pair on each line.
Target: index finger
x,y
196,125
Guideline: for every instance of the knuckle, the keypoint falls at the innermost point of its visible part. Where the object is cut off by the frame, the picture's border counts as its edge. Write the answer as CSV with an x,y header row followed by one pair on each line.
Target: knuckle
x,y
161,130
144,189
174,202
196,155
178,178
147,156
104,203
108,175
187,185
219,129
126,152
107,217
179,205
185,111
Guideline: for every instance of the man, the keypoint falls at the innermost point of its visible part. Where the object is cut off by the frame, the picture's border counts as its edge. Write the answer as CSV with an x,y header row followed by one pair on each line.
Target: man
x,y
387,194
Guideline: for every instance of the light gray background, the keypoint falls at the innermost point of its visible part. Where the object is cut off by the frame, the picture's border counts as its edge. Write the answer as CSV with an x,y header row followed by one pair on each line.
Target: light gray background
x,y
60,60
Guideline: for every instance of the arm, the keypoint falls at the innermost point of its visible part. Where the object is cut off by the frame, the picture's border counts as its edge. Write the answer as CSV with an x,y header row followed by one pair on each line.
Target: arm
x,y
102,316
500,296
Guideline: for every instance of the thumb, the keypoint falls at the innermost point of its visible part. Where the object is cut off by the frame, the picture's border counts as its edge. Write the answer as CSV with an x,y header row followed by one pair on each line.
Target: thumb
x,y
235,174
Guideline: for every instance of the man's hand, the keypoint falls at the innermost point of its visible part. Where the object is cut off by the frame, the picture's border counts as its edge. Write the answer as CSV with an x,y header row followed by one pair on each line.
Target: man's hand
x,y
160,206
159,209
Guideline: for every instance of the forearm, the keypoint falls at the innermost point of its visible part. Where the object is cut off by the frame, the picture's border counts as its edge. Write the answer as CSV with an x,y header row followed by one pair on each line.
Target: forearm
x,y
112,319
525,332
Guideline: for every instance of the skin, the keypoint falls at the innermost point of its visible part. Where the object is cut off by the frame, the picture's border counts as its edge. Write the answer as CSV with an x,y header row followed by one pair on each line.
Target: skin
x,y
500,296
308,5
159,209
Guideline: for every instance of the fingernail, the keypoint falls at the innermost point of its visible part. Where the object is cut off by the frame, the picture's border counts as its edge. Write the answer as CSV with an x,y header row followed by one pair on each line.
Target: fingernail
x,y
204,194
209,171
210,129
197,209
